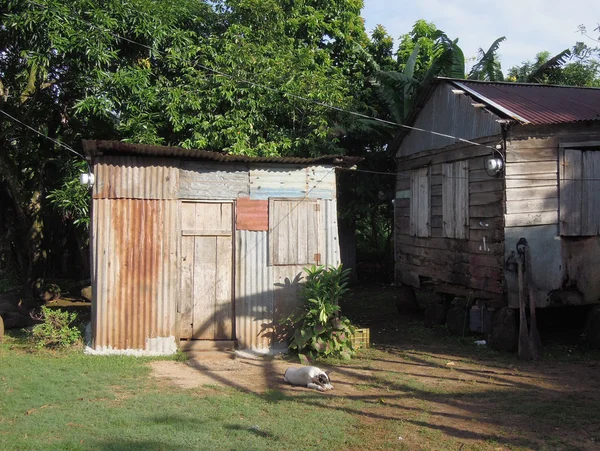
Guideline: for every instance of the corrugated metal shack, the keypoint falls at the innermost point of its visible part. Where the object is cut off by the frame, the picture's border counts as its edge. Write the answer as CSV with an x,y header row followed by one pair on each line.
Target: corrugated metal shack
x,y
195,245
457,225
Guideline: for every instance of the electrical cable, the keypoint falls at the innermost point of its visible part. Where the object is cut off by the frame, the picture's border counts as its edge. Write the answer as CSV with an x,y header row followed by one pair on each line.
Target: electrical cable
x,y
69,148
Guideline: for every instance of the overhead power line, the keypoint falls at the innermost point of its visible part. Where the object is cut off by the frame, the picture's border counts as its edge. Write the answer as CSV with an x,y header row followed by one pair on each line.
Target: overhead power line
x,y
61,144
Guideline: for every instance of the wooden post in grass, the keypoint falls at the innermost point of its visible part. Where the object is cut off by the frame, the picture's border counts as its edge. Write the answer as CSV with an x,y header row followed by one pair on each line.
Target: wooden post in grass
x,y
535,342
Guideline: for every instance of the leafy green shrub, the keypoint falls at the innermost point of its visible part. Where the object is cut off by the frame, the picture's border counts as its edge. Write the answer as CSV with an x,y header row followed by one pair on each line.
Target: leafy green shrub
x,y
56,330
318,329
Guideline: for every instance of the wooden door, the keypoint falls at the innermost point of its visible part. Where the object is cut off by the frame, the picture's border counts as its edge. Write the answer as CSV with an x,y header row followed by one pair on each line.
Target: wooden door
x,y
206,305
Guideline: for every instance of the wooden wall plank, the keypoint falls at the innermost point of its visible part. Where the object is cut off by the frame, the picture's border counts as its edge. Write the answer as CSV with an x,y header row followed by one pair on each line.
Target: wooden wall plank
x,y
524,154
485,198
531,167
531,219
531,180
461,278
205,258
451,256
570,192
532,205
223,314
471,246
539,192
186,303
486,186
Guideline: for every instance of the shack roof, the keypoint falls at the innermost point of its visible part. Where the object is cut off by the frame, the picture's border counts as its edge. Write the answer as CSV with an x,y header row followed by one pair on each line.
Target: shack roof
x,y
535,104
523,103
98,148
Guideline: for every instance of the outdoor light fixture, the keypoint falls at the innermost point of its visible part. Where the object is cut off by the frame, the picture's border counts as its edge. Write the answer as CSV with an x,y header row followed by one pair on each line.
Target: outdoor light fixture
x,y
87,179
493,165
458,91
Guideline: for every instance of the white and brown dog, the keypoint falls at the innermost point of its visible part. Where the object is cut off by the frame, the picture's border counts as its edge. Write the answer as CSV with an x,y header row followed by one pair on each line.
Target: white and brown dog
x,y
308,376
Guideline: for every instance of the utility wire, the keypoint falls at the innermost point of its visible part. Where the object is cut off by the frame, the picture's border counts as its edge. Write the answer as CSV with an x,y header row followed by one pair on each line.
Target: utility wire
x,y
508,178
69,148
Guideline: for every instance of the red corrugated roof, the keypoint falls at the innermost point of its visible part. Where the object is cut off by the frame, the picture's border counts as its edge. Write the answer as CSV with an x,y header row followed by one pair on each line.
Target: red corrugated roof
x,y
538,104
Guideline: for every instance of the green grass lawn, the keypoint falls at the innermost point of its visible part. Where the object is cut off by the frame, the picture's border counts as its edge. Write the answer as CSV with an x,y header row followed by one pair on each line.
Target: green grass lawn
x,y
67,400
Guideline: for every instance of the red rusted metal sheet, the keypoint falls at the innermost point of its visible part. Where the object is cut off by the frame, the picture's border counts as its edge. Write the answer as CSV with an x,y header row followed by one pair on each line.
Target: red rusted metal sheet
x,y
131,177
252,214
540,104
135,275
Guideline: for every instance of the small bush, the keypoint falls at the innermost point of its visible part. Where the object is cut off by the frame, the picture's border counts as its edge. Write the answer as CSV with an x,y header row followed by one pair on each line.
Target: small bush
x,y
318,329
56,330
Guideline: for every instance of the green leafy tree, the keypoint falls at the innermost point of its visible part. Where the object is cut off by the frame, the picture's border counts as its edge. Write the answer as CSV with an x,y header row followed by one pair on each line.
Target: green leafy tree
x,y
578,66
184,73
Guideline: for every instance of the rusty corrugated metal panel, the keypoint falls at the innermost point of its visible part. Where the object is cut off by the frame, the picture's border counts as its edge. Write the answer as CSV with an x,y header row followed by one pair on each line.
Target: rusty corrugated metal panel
x,y
252,214
135,275
130,177
254,290
98,148
540,104
450,114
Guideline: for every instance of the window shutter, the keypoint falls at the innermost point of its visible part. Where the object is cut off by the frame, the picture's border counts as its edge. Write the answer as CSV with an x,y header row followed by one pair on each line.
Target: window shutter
x,y
420,203
294,232
579,205
570,192
455,199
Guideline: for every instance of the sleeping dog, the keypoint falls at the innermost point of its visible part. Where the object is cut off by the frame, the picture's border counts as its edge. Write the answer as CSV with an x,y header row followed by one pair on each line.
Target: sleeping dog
x,y
309,376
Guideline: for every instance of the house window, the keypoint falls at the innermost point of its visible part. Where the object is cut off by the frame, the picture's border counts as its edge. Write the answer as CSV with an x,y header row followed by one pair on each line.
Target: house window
x,y
294,231
579,206
455,200
420,203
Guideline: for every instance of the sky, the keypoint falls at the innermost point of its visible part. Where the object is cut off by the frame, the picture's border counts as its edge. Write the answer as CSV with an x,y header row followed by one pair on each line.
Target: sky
x,y
530,26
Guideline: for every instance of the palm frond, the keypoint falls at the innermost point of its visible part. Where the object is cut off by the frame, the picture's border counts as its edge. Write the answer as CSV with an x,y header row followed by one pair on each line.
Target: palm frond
x,y
553,63
488,66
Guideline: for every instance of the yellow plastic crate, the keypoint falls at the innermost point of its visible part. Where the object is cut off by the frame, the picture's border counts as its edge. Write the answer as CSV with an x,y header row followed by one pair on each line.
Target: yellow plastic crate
x,y
362,338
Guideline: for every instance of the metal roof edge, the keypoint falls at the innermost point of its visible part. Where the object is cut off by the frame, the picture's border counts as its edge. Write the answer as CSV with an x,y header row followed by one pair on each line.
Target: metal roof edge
x,y
106,147
491,103
515,83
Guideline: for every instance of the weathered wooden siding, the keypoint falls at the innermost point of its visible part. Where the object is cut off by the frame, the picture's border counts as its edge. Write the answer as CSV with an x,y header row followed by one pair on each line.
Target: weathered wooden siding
x,y
531,182
450,114
134,275
544,205
473,265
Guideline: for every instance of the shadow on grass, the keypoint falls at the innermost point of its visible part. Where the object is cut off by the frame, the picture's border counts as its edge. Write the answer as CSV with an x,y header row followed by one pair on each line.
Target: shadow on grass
x,y
484,396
